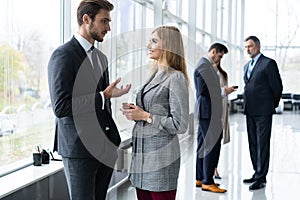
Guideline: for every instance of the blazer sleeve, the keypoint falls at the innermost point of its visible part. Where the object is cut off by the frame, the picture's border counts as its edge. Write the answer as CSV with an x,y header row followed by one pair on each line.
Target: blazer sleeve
x,y
177,120
275,81
202,94
60,79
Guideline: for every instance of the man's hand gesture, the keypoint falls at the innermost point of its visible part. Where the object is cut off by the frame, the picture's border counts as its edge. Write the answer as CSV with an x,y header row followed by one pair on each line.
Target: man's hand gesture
x,y
113,91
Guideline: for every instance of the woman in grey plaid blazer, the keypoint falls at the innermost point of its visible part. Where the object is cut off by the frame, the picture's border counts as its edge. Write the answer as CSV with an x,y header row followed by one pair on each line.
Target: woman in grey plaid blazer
x,y
161,112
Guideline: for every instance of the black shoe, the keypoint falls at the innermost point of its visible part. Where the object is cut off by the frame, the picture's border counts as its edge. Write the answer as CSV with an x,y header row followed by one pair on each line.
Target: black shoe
x,y
217,177
250,180
257,185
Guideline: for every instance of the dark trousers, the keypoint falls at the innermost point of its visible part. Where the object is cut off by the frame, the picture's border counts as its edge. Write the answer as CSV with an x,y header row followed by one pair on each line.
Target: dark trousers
x,y
208,151
259,135
88,179
149,195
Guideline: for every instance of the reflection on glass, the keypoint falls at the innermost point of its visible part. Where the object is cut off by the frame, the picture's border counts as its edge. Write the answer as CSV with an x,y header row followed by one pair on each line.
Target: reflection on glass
x,y
27,36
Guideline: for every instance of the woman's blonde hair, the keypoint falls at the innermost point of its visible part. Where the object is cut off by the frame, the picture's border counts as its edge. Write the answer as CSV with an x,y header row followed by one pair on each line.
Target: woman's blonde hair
x,y
173,51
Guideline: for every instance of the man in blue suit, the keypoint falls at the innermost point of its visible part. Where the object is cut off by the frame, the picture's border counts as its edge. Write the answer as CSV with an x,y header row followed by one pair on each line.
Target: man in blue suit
x,y
208,111
86,136
262,93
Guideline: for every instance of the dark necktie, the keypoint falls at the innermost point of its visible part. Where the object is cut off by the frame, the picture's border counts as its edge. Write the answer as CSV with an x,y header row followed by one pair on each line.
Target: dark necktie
x,y
95,63
98,74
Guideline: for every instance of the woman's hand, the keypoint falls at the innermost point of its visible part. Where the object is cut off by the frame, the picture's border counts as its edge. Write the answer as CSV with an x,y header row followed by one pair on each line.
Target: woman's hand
x,y
133,112
229,90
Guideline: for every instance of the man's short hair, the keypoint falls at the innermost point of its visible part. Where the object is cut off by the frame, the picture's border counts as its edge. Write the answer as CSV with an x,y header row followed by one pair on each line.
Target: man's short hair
x,y
254,38
219,48
92,7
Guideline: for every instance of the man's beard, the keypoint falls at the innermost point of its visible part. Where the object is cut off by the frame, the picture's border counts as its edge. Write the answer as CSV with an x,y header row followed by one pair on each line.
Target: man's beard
x,y
96,37
94,34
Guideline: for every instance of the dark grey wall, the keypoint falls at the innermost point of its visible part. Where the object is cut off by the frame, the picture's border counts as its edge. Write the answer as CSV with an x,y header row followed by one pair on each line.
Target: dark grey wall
x,y
53,187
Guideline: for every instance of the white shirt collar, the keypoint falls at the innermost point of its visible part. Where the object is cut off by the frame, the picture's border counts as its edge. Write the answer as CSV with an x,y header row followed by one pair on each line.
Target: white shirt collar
x,y
83,42
256,58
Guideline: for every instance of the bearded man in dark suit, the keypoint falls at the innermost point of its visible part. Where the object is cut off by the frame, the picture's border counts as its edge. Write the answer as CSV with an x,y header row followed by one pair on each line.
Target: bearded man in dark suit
x,y
86,135
208,112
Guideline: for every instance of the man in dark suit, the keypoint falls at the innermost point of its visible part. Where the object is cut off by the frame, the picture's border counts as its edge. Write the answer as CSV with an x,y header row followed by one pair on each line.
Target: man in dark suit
x,y
262,93
208,111
86,135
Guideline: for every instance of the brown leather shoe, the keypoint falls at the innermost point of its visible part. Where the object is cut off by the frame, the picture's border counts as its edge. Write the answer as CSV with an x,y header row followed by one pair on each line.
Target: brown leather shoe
x,y
198,183
213,188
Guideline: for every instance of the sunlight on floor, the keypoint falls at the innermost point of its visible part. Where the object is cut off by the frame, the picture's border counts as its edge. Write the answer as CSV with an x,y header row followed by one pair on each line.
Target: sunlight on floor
x,y
235,165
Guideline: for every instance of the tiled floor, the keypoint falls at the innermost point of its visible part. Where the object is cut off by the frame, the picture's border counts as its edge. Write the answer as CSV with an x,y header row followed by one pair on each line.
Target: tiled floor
x,y
283,180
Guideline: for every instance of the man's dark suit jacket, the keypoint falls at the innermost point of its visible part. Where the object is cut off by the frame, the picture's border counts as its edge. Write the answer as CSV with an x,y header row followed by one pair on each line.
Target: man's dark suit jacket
x,y
263,89
81,124
209,100
208,90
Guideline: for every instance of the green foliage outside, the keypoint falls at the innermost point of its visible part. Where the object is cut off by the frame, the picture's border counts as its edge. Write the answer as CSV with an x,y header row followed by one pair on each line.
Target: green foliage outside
x,y
12,64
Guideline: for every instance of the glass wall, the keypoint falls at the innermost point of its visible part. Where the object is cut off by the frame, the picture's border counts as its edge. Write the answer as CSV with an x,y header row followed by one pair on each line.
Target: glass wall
x,y
29,31
32,29
279,35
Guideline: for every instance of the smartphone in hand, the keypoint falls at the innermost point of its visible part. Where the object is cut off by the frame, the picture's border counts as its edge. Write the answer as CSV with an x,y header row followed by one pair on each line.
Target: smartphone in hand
x,y
235,87
127,105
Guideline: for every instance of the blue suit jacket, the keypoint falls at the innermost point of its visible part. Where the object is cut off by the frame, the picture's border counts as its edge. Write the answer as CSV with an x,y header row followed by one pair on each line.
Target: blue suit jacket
x,y
263,89
83,129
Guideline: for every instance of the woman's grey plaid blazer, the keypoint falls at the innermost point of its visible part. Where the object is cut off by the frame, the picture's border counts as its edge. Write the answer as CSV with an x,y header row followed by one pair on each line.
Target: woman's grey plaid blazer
x,y
156,151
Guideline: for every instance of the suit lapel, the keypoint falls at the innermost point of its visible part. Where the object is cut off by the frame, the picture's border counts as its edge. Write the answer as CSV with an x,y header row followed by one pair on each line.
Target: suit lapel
x,y
254,68
155,81
78,49
210,68
215,75
256,65
85,61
